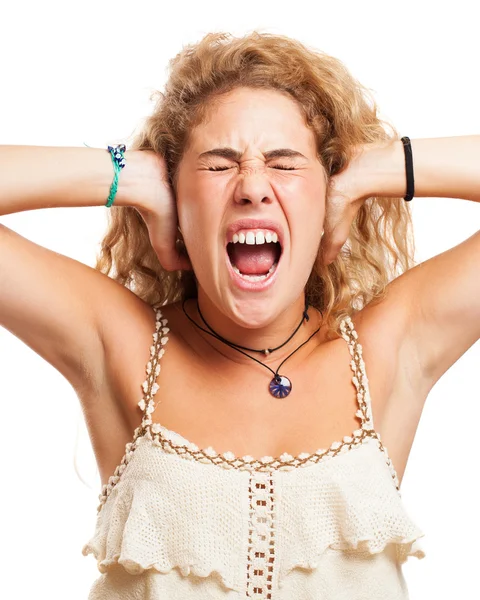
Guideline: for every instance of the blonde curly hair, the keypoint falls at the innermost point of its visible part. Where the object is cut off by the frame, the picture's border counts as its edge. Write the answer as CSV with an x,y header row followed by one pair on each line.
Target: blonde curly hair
x,y
341,113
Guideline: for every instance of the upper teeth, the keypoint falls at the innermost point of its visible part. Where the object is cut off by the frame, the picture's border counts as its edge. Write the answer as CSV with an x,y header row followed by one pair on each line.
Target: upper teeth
x,y
252,237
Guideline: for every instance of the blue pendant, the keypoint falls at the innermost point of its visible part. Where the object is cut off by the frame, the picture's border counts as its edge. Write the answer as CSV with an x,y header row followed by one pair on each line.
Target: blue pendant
x,y
280,386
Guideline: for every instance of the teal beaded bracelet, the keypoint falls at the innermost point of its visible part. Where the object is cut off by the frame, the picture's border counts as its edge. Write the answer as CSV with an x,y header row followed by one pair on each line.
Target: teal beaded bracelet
x,y
118,160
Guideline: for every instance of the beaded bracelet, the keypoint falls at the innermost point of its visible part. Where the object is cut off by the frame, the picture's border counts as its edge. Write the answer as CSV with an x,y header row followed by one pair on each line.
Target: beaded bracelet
x,y
118,160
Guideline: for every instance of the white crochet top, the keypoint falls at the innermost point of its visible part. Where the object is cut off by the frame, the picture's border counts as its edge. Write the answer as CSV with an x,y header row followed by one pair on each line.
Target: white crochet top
x,y
179,522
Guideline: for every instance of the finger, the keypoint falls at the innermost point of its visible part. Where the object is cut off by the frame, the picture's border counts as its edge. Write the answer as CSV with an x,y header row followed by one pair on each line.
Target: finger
x,y
170,251
337,231
174,257
332,244
178,264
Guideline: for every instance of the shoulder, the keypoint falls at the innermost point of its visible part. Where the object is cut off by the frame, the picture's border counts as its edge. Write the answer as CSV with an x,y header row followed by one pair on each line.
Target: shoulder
x,y
124,326
127,329
127,333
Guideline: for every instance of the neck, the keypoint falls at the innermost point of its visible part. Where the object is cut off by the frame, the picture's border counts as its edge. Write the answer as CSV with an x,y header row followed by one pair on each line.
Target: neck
x,y
258,334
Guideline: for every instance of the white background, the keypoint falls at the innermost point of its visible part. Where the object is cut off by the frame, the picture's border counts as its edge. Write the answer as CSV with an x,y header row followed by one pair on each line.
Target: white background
x,y
82,72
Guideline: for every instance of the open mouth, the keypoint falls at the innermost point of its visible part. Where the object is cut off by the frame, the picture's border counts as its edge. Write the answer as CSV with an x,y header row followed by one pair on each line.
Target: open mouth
x,y
254,255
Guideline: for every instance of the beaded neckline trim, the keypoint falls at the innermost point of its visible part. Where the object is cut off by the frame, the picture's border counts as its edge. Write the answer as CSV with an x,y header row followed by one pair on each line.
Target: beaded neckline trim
x,y
161,436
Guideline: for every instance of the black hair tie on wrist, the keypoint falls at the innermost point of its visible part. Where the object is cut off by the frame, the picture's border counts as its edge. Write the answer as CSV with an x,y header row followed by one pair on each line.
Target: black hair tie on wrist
x,y
407,146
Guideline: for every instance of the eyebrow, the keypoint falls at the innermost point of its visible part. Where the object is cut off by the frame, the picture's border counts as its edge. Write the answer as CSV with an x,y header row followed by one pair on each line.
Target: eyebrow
x,y
232,154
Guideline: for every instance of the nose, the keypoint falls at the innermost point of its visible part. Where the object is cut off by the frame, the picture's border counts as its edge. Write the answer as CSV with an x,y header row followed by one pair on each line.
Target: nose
x,y
253,187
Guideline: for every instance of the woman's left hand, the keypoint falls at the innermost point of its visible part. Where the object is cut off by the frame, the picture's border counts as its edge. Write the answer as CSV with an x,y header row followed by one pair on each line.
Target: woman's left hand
x,y
346,194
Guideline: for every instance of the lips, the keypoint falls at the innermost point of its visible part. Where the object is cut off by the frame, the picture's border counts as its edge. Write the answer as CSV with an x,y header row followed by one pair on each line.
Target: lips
x,y
255,224
253,261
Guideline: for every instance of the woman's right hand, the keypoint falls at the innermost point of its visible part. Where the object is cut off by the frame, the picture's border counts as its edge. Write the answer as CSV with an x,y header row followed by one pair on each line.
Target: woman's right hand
x,y
147,189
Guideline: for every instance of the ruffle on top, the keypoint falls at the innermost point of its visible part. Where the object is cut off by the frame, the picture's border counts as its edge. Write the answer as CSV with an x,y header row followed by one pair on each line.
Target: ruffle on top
x,y
170,511
348,503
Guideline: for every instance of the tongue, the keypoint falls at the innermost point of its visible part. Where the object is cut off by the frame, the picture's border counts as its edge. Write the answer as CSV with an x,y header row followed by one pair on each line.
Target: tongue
x,y
255,259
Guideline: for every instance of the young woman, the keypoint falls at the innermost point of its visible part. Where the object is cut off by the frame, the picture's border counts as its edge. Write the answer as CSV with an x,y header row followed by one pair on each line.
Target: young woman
x,y
259,249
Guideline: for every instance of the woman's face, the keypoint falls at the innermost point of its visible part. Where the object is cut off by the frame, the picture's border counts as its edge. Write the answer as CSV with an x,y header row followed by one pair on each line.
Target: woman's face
x,y
249,173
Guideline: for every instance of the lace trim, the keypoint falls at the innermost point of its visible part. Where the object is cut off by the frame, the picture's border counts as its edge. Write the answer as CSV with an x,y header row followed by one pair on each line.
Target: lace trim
x,y
161,436
286,462
261,539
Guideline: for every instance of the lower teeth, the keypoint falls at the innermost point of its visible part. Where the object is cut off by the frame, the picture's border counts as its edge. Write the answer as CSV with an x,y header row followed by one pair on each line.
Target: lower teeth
x,y
255,277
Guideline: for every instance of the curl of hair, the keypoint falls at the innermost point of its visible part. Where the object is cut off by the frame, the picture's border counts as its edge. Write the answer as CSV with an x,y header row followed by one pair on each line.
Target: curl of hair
x,y
341,113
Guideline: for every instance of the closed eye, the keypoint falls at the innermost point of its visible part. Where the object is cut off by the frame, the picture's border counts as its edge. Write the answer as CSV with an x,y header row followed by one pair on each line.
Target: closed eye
x,y
284,168
281,167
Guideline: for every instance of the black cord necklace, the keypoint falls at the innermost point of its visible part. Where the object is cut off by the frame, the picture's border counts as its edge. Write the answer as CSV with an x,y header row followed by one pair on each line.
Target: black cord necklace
x,y
267,351
280,386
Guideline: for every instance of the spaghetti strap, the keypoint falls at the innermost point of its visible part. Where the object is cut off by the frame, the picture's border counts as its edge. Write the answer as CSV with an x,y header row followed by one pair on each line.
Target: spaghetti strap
x,y
360,378
157,350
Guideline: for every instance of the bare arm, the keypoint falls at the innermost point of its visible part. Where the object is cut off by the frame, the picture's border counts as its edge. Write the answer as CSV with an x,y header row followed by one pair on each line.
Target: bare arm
x,y
53,303
444,291
33,177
